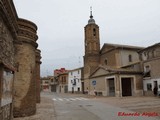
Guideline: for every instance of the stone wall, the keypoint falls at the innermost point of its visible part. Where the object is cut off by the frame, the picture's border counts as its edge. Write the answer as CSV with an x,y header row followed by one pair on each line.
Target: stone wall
x,y
25,83
7,38
37,77
6,45
18,55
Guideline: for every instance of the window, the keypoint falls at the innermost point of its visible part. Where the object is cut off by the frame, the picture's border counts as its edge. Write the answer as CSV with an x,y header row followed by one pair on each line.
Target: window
x,y
78,71
149,87
94,32
65,78
147,68
130,58
78,89
46,82
105,61
147,71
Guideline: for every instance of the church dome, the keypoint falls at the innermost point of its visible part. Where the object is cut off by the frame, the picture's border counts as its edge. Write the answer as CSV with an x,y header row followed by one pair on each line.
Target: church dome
x,y
91,21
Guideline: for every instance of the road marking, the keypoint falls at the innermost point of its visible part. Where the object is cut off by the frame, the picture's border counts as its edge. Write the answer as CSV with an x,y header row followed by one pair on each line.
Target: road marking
x,y
70,99
83,98
60,99
66,99
54,99
78,99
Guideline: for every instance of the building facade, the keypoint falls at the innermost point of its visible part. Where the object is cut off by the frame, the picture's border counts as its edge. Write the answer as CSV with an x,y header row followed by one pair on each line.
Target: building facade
x,y
63,83
45,84
150,58
53,83
74,81
60,81
103,70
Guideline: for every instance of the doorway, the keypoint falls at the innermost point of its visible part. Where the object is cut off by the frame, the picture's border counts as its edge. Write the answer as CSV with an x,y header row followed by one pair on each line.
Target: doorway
x,y
126,87
72,89
111,87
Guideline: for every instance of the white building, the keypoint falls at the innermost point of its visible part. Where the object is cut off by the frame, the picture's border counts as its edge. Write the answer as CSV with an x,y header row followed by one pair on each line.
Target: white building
x,y
74,81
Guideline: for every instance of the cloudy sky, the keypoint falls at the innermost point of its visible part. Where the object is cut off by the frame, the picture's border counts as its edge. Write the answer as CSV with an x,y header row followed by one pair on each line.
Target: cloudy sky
x,y
61,26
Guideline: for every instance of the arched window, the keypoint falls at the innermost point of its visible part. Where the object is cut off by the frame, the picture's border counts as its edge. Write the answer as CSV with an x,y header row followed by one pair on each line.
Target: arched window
x,y
130,58
94,32
105,61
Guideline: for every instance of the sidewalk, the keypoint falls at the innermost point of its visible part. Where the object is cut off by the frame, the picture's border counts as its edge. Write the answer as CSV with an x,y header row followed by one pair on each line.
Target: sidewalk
x,y
45,110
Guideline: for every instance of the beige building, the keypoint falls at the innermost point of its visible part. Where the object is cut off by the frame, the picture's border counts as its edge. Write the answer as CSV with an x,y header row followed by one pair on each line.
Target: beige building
x,y
103,68
53,83
63,82
150,58
45,84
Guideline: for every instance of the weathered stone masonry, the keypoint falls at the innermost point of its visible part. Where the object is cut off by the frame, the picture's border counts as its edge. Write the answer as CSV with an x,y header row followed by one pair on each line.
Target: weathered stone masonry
x,y
18,56
24,84
37,69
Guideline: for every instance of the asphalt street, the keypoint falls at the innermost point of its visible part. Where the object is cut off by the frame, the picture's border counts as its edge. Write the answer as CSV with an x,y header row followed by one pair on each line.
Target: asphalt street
x,y
70,107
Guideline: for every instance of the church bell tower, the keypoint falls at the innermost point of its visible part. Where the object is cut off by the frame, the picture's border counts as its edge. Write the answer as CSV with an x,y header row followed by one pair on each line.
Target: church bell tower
x,y
92,46
92,42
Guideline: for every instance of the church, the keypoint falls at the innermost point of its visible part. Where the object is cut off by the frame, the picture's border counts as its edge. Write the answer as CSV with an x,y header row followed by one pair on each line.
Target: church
x,y
113,70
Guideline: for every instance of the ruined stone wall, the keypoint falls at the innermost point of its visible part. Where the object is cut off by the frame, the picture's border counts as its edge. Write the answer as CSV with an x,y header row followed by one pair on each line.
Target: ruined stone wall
x,y
6,45
8,29
6,60
37,77
18,53
25,84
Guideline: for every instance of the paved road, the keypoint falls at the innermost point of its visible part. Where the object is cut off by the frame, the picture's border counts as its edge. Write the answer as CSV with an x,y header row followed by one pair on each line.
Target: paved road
x,y
70,107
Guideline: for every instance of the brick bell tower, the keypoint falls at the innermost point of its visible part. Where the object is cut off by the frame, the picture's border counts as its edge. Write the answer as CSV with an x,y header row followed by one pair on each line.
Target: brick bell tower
x,y
92,47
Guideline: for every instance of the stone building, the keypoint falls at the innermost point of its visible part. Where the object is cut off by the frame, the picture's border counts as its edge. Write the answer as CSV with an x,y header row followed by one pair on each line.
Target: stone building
x,y
18,72
150,58
103,70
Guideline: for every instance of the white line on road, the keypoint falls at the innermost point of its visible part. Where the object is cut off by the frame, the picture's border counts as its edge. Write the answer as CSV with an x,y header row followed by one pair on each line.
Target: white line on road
x,y
69,99
60,99
54,99
66,99
83,98
72,99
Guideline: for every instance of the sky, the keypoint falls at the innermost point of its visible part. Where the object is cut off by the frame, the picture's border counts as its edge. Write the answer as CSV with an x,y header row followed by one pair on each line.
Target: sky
x,y
61,26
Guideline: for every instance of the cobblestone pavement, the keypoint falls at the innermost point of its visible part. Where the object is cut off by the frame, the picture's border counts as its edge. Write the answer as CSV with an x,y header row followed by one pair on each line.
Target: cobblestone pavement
x,y
45,110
